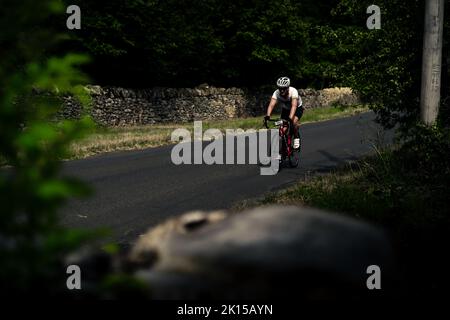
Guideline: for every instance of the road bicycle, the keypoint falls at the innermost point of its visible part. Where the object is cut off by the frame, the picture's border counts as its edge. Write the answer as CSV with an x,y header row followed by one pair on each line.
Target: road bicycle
x,y
287,151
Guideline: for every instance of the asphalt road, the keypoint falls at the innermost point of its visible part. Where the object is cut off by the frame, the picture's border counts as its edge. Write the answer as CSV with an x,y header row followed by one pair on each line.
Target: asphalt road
x,y
137,189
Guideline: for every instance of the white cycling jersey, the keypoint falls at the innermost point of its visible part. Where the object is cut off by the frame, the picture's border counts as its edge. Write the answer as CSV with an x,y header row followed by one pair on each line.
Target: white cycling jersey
x,y
286,103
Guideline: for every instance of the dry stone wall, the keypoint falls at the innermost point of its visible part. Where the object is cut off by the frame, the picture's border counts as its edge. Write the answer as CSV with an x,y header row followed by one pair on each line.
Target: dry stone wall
x,y
112,106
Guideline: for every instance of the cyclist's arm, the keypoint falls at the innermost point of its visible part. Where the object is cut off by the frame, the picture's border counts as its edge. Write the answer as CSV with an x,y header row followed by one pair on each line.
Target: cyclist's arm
x,y
293,108
272,104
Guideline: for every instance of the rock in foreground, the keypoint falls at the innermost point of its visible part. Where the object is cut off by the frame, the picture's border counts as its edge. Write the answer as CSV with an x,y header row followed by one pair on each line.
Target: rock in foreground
x,y
269,252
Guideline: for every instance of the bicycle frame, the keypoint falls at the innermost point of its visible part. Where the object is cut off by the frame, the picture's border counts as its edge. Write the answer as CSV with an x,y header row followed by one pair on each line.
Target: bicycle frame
x,y
284,129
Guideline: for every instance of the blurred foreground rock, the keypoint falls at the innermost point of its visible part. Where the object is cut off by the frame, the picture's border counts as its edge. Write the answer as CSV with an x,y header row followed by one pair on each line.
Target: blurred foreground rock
x,y
270,252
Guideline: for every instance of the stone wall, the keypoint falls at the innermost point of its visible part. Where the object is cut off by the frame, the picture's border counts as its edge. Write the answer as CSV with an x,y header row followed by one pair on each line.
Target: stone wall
x,y
120,107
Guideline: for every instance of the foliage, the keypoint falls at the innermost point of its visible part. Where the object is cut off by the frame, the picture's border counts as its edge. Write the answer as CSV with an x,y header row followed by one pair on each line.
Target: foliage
x,y
385,67
185,43
425,154
32,244
386,64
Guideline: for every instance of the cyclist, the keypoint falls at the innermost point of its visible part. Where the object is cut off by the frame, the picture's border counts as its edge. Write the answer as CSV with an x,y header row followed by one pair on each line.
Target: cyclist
x,y
291,106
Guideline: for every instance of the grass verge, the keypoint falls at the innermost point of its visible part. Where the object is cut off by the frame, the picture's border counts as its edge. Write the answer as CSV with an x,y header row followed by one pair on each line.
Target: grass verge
x,y
103,140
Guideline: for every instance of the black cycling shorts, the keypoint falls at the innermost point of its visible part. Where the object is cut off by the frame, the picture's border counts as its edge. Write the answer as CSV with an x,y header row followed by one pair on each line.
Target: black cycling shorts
x,y
286,112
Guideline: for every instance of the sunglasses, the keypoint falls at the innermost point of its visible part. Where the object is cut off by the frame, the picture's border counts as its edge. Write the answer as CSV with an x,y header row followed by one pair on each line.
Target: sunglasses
x,y
283,90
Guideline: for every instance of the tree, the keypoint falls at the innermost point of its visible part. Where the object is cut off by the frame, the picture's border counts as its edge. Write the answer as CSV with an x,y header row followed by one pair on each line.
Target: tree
x,y
386,63
185,43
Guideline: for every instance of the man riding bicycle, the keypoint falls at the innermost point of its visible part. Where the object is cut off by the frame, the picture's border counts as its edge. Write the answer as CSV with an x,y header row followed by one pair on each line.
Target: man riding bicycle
x,y
291,106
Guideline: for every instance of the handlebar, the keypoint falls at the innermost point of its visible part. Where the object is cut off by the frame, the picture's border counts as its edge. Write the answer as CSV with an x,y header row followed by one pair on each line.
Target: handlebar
x,y
275,120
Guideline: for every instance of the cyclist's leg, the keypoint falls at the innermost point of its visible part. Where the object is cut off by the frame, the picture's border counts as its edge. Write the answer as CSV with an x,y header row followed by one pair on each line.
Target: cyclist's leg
x,y
296,126
297,117
299,112
296,133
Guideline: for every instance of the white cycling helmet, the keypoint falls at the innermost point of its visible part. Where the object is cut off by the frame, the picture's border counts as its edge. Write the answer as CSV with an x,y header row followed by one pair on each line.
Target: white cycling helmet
x,y
283,82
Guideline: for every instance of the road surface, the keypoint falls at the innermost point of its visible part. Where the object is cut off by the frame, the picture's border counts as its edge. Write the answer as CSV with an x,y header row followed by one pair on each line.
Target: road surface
x,y
135,190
